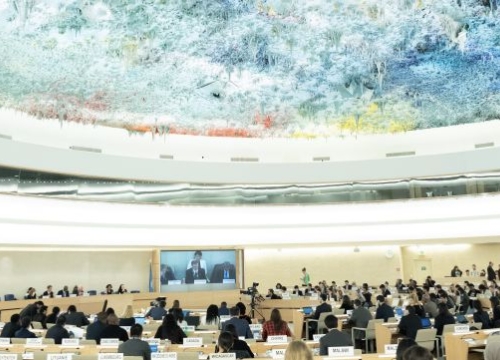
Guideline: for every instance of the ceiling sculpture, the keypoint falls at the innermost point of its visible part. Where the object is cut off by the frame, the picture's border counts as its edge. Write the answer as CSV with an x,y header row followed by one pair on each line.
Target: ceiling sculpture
x,y
248,68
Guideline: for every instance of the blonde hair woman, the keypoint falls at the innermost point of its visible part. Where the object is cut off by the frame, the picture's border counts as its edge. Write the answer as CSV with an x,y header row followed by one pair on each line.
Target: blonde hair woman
x,y
127,318
298,350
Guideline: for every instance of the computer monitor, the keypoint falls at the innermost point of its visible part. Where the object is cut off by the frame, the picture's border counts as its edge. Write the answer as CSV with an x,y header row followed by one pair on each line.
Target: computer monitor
x,y
140,320
426,323
307,310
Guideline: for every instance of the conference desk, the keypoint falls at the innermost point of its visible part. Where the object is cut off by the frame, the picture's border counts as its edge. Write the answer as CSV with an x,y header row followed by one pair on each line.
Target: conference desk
x,y
457,345
139,301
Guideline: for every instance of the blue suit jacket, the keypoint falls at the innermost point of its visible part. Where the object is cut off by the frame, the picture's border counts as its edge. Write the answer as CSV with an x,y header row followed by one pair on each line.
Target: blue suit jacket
x,y
242,327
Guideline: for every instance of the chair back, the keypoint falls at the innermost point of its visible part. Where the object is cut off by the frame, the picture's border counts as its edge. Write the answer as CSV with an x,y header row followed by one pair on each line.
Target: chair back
x,y
477,325
9,297
449,328
370,328
426,338
92,292
321,321
337,311
37,325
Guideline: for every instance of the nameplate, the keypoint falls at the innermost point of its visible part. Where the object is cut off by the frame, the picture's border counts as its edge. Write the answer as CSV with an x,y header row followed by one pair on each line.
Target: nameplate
x,y
153,341
34,341
4,341
339,351
188,328
222,356
253,327
8,356
228,281
28,356
461,329
193,341
110,356
110,342
316,337
200,281
174,282
59,356
278,353
390,349
164,356
277,339
70,342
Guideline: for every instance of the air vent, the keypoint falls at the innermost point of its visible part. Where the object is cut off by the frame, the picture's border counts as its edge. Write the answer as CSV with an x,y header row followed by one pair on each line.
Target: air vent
x,y
87,149
6,137
321,158
244,159
403,153
166,157
484,145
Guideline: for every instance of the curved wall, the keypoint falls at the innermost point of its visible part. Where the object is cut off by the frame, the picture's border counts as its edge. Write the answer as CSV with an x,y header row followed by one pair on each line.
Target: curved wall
x,y
111,153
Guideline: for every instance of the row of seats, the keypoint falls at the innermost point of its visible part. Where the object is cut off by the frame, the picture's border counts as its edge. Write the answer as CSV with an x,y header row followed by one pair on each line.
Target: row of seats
x,y
12,297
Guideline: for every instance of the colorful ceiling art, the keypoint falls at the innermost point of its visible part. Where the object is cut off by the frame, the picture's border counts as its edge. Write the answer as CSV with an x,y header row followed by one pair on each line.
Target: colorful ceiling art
x,y
248,68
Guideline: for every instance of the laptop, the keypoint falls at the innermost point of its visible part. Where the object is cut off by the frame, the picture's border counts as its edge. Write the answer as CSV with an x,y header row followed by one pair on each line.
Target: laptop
x,y
307,310
140,320
426,323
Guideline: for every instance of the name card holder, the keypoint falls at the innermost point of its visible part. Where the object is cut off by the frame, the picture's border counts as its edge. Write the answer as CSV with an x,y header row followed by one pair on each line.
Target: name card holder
x,y
4,341
28,356
34,341
341,351
278,353
188,328
277,339
225,356
164,356
192,342
110,356
110,342
59,356
390,349
70,342
460,329
8,356
316,337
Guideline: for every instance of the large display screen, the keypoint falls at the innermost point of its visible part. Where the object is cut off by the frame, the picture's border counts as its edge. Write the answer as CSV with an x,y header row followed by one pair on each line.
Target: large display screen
x,y
198,269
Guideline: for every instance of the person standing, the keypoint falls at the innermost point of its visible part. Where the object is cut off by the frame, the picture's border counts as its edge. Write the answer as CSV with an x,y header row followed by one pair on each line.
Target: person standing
x,y
491,272
306,279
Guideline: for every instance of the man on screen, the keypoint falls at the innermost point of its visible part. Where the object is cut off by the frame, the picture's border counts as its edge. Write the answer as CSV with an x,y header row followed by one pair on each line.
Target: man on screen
x,y
195,272
223,271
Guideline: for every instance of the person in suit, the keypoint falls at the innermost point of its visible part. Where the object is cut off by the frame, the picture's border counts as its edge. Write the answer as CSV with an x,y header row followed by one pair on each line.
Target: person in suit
x,y
52,317
135,346
11,327
158,311
31,310
76,318
384,311
323,307
23,332
242,326
195,272
334,337
491,272
64,292
95,329
297,291
410,323
166,274
49,292
58,332
223,271
30,294
223,309
359,318
113,329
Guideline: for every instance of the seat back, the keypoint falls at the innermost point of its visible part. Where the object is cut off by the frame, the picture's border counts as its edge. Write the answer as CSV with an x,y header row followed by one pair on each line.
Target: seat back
x,y
370,328
426,338
337,311
477,325
9,297
36,325
92,292
321,321
449,328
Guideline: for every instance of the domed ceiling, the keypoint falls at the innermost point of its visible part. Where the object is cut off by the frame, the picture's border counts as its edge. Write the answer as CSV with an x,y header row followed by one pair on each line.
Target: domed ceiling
x,y
290,68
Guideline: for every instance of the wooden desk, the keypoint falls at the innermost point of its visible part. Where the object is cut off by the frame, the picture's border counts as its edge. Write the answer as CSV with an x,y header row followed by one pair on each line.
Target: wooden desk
x,y
457,345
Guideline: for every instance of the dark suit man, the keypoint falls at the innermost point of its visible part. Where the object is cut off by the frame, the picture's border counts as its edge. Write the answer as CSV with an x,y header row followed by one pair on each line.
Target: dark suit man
x,y
323,307
241,325
223,271
491,272
11,327
334,338
64,292
95,329
135,346
31,310
360,318
195,272
58,332
384,311
410,324
76,318
23,332
158,312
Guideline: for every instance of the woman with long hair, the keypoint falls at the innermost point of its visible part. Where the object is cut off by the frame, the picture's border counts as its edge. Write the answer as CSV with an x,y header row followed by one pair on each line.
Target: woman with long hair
x,y
275,326
212,317
298,350
346,304
170,330
226,344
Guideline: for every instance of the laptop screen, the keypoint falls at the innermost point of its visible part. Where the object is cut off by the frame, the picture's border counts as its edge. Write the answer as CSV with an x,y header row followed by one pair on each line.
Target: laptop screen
x,y
426,322
307,310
